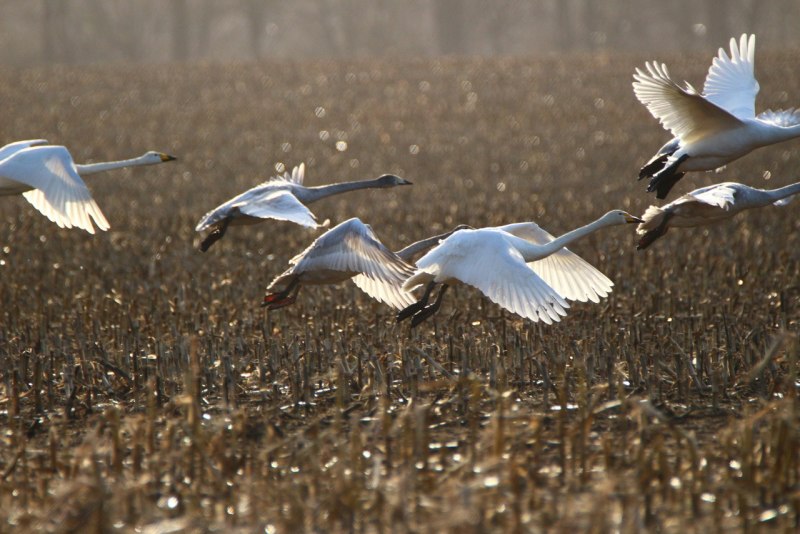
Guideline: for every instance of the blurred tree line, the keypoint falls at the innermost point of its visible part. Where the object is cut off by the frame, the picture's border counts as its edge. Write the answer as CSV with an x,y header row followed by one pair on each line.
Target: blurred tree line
x,y
86,31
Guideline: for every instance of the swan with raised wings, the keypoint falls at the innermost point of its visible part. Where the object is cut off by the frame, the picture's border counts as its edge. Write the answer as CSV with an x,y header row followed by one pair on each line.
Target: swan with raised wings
x,y
711,128
350,250
520,266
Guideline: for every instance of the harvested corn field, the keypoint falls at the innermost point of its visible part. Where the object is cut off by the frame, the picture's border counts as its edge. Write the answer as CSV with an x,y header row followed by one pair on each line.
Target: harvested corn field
x,y
143,388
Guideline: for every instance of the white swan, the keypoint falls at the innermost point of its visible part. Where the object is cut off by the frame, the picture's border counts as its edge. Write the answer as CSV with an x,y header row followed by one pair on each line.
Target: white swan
x,y
350,250
713,128
282,198
521,267
708,205
50,180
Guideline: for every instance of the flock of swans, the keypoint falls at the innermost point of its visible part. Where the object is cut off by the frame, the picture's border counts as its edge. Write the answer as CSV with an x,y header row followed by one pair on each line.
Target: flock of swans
x,y
521,267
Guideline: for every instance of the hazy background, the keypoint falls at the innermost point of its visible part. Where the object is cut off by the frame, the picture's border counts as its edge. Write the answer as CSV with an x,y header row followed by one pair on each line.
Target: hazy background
x,y
91,31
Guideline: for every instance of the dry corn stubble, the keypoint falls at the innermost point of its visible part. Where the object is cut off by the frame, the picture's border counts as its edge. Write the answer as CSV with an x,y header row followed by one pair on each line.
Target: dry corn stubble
x,y
142,386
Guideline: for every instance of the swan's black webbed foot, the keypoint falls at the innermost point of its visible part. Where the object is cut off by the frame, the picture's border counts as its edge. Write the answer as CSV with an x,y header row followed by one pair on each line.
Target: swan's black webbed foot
x,y
412,309
663,181
427,311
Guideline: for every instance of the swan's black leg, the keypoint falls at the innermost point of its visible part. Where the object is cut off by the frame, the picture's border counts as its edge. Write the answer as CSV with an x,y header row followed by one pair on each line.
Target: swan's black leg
x,y
408,311
282,298
653,167
663,181
658,161
427,311
216,234
647,239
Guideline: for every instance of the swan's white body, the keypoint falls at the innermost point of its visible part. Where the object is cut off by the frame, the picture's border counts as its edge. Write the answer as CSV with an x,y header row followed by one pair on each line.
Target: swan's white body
x,y
283,198
713,128
50,180
521,267
348,250
708,205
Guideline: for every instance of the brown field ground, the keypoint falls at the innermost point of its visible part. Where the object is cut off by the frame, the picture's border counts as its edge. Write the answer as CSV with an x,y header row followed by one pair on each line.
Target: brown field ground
x,y
142,388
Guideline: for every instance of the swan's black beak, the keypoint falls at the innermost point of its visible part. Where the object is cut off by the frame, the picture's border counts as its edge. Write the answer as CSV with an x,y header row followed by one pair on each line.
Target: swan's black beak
x,y
632,219
403,181
167,157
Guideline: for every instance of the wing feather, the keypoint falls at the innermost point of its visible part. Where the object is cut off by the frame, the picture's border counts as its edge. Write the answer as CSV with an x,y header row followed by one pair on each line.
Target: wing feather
x,y
59,193
352,247
12,148
682,111
281,205
782,117
731,83
570,275
721,196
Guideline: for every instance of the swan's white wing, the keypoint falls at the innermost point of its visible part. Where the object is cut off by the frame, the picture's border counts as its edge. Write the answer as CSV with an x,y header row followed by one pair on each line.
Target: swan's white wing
x,y
212,217
270,200
224,210
688,115
730,83
573,277
781,117
59,192
720,195
13,148
280,205
352,247
485,259
390,293
257,196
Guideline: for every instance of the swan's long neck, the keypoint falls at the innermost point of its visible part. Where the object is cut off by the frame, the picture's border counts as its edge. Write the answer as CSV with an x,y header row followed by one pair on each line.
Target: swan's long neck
x,y
783,192
422,246
92,168
777,134
312,194
533,252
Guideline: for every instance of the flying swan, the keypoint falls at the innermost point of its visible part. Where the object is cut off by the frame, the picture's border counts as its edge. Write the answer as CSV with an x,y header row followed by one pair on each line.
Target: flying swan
x,y
520,266
708,205
350,250
283,198
50,180
713,128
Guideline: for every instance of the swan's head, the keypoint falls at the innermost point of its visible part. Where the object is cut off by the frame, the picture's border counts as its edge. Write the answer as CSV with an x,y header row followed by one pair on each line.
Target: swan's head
x,y
615,217
152,157
390,180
